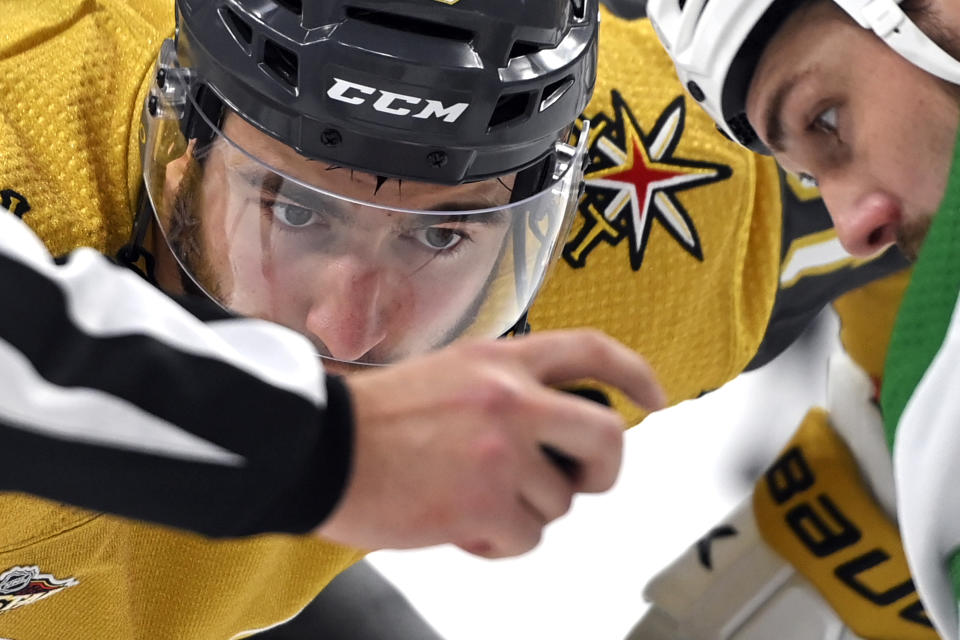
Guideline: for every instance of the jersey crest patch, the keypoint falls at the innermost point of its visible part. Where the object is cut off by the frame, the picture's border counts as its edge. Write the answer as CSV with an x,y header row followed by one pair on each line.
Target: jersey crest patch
x,y
633,179
20,586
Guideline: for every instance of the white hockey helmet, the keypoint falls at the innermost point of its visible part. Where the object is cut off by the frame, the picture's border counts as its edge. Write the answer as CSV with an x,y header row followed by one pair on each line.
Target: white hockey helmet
x,y
716,46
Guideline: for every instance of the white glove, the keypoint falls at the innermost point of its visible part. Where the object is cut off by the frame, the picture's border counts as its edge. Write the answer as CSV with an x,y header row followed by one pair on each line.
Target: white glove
x,y
813,554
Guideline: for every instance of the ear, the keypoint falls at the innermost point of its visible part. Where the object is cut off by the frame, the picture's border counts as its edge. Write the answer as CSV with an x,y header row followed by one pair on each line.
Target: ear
x,y
175,170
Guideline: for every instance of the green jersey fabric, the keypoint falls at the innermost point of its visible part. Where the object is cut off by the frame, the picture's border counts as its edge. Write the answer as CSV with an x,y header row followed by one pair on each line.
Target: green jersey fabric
x,y
924,318
927,307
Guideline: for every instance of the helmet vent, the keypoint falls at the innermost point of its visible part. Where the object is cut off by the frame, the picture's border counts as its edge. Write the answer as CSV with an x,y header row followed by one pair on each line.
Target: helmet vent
x,y
408,24
293,6
509,108
521,49
579,9
554,91
240,30
282,62
742,129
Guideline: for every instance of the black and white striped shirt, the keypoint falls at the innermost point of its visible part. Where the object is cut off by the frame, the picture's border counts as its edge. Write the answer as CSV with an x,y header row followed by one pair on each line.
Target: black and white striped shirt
x,y
115,398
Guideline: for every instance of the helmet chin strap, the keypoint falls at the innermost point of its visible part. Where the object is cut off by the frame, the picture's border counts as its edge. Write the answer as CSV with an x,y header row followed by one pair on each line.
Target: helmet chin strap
x,y
893,26
133,254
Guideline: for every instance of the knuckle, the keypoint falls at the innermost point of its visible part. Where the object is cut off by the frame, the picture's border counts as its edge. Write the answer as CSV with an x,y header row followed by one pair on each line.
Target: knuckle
x,y
604,467
611,434
494,454
490,393
596,343
607,431
495,395
479,349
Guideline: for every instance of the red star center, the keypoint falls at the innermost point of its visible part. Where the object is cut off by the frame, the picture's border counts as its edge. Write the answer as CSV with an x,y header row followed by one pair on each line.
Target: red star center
x,y
642,179
641,173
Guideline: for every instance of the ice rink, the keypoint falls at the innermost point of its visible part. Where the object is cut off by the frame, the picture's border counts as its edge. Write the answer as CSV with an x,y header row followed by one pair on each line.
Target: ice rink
x,y
684,469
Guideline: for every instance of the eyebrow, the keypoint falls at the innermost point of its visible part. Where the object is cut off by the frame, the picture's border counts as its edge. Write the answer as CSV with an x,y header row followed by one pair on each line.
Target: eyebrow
x,y
296,192
773,116
302,196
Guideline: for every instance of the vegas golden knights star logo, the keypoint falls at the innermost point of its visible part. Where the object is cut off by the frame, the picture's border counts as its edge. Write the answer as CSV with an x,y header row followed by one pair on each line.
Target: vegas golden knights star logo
x,y
633,180
20,586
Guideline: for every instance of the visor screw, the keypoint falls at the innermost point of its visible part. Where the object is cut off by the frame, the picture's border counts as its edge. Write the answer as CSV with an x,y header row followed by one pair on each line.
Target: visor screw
x,y
696,91
330,138
152,105
161,77
437,159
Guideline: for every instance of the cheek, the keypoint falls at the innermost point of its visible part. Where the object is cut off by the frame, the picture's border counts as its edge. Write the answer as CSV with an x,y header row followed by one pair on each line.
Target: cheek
x,y
912,146
283,283
215,212
448,290
243,261
940,162
918,168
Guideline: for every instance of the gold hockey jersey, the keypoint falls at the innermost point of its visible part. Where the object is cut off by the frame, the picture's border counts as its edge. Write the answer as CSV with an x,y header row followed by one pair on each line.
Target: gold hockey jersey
x,y
676,251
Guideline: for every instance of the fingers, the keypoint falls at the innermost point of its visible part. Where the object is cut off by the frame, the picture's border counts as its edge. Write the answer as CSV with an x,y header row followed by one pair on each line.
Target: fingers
x,y
518,530
545,496
556,357
588,433
524,506
546,491
450,447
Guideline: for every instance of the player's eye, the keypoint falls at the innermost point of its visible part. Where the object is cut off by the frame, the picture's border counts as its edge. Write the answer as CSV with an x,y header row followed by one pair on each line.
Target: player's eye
x,y
294,215
826,121
439,238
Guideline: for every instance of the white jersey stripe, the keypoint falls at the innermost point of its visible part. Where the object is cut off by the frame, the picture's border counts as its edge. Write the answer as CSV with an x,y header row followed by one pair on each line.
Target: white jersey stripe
x,y
106,304
31,403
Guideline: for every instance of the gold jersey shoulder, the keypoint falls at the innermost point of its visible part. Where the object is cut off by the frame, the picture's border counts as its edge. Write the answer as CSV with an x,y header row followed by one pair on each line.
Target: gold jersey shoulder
x,y
676,246
72,73
68,573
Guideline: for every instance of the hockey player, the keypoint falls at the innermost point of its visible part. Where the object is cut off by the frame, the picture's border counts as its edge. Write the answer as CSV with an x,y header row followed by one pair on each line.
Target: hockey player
x,y
862,99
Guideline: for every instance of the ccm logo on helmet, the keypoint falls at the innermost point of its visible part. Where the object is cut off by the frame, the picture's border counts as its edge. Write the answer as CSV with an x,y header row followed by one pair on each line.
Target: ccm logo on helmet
x,y
396,104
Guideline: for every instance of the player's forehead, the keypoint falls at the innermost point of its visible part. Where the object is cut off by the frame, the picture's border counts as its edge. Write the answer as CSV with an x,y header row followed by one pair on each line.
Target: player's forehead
x,y
252,143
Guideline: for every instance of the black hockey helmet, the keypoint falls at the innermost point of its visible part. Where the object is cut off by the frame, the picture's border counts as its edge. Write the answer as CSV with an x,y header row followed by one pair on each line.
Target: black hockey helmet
x,y
436,90
273,126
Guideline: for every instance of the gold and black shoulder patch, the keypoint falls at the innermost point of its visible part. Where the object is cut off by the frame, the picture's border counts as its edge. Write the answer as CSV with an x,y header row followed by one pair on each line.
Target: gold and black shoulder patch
x,y
633,180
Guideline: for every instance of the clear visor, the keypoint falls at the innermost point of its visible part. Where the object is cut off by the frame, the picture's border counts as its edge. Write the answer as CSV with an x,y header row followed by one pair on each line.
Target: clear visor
x,y
371,269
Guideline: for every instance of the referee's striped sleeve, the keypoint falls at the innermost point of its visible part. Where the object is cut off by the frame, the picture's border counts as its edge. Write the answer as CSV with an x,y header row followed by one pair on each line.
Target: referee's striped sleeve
x,y
114,398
